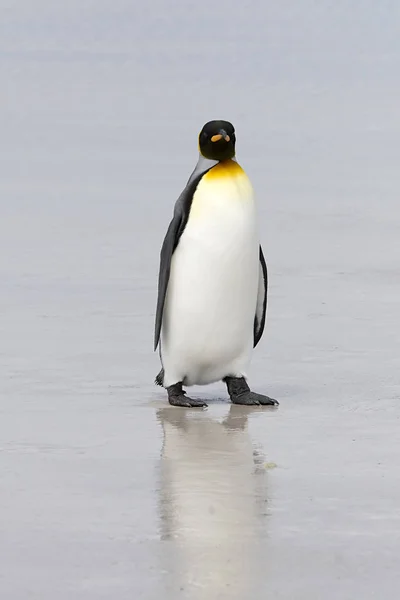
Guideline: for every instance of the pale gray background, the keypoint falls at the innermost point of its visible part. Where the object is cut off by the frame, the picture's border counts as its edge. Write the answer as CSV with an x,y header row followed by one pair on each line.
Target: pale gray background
x,y
102,494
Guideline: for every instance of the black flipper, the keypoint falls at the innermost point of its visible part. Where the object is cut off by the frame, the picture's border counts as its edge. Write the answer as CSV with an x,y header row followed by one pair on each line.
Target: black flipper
x,y
171,240
261,310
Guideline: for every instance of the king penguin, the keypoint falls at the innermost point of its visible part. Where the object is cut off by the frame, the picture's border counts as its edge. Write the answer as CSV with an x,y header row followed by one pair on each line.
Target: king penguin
x,y
212,286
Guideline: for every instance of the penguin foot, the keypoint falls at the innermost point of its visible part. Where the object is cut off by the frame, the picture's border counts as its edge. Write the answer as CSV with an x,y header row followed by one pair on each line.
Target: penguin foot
x,y
254,399
186,402
177,397
240,393
159,378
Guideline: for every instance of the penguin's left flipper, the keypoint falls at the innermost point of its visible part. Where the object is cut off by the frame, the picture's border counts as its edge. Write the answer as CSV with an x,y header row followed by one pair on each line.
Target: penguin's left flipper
x,y
261,308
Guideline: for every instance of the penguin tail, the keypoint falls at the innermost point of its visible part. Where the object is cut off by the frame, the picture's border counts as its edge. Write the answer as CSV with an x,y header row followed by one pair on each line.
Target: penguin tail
x,y
159,380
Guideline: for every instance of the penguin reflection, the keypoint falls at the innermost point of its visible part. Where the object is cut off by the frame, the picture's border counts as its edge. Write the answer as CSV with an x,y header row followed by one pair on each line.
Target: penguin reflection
x,y
212,504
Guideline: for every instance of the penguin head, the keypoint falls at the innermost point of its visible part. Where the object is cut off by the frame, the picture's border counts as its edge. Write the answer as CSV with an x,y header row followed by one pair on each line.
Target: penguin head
x,y
217,140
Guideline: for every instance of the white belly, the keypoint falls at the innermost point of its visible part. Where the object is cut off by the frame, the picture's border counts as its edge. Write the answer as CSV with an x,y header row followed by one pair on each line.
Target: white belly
x,y
207,331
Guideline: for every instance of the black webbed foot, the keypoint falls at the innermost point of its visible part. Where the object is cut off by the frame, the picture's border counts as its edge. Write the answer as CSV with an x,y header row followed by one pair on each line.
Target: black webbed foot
x,y
240,393
177,397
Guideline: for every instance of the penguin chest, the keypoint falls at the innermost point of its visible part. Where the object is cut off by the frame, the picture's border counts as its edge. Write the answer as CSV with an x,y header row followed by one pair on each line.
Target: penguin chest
x,y
212,292
223,211
221,229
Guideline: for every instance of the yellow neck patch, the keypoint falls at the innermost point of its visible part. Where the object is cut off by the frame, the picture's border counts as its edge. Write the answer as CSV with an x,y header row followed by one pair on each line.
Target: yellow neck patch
x,y
225,169
224,187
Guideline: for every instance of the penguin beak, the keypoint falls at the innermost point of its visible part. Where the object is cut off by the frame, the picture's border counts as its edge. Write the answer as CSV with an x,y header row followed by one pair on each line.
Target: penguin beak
x,y
221,135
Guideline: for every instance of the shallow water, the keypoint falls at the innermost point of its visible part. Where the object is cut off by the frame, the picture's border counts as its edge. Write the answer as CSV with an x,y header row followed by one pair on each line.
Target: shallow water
x,y
106,491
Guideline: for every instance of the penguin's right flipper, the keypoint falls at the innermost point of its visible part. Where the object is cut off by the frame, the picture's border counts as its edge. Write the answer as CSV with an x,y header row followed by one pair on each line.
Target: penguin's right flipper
x,y
171,240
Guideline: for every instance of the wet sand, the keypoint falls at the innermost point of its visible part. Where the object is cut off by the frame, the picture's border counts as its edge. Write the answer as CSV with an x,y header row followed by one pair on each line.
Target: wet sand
x,y
106,491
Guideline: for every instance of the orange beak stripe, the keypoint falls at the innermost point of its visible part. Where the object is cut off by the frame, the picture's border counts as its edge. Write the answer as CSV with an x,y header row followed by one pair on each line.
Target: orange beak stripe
x,y
216,138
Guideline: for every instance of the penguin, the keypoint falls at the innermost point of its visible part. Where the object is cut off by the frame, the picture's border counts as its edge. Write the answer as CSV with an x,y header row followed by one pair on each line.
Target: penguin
x,y
213,280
